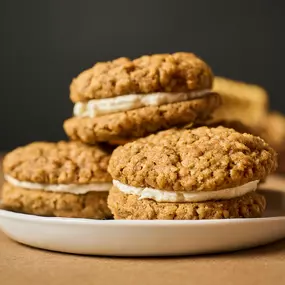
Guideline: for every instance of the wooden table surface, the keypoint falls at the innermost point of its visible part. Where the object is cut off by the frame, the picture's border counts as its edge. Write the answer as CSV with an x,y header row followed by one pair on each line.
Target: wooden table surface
x,y
20,264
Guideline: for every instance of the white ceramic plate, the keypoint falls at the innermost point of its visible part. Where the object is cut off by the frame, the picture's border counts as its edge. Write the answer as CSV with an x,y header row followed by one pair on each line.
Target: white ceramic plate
x,y
147,238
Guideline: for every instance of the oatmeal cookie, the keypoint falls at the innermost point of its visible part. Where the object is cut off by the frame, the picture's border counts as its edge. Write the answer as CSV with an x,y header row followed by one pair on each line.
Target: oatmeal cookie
x,y
201,159
243,102
140,122
127,99
58,163
176,72
65,179
129,207
91,205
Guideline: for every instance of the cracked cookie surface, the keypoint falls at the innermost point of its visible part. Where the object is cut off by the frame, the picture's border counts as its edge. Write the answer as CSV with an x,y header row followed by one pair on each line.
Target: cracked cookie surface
x,y
58,163
201,159
176,72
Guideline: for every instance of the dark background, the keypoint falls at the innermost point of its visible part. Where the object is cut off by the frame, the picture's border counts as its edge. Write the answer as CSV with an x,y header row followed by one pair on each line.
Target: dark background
x,y
43,44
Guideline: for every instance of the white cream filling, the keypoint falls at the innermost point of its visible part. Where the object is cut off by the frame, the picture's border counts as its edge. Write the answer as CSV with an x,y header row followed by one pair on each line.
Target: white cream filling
x,y
175,196
68,188
99,107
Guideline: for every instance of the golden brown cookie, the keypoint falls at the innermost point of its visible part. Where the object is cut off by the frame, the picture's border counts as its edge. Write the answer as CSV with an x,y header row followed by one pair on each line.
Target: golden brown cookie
x,y
176,72
67,179
91,205
201,173
242,102
58,163
140,122
201,159
126,99
129,207
271,129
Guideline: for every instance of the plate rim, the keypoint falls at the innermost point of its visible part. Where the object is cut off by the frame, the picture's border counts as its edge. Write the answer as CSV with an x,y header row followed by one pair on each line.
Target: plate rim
x,y
150,223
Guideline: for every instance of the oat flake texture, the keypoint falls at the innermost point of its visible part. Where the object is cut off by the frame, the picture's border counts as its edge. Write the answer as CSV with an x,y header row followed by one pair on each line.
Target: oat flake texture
x,y
202,159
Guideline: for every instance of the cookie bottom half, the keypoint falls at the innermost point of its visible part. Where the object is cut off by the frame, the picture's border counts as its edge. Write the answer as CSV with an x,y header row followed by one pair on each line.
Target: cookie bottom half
x,y
124,206
92,205
140,122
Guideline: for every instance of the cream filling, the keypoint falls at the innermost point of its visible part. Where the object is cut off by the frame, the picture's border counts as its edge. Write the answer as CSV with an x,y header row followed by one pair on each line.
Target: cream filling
x,y
68,188
99,107
175,196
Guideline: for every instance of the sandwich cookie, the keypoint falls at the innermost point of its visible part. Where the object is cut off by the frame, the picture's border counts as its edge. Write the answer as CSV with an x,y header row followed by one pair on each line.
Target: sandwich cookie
x,y
124,99
64,179
204,173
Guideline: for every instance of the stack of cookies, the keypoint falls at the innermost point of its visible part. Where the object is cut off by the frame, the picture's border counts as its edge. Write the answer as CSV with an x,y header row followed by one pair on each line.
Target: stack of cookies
x,y
166,167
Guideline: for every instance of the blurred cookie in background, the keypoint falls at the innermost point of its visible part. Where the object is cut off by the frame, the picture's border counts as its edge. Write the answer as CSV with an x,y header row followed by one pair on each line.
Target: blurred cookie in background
x,y
273,131
245,108
246,103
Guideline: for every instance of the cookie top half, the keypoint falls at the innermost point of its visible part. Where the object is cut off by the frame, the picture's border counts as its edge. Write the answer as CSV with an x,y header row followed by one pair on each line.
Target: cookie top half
x,y
58,163
202,159
178,72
